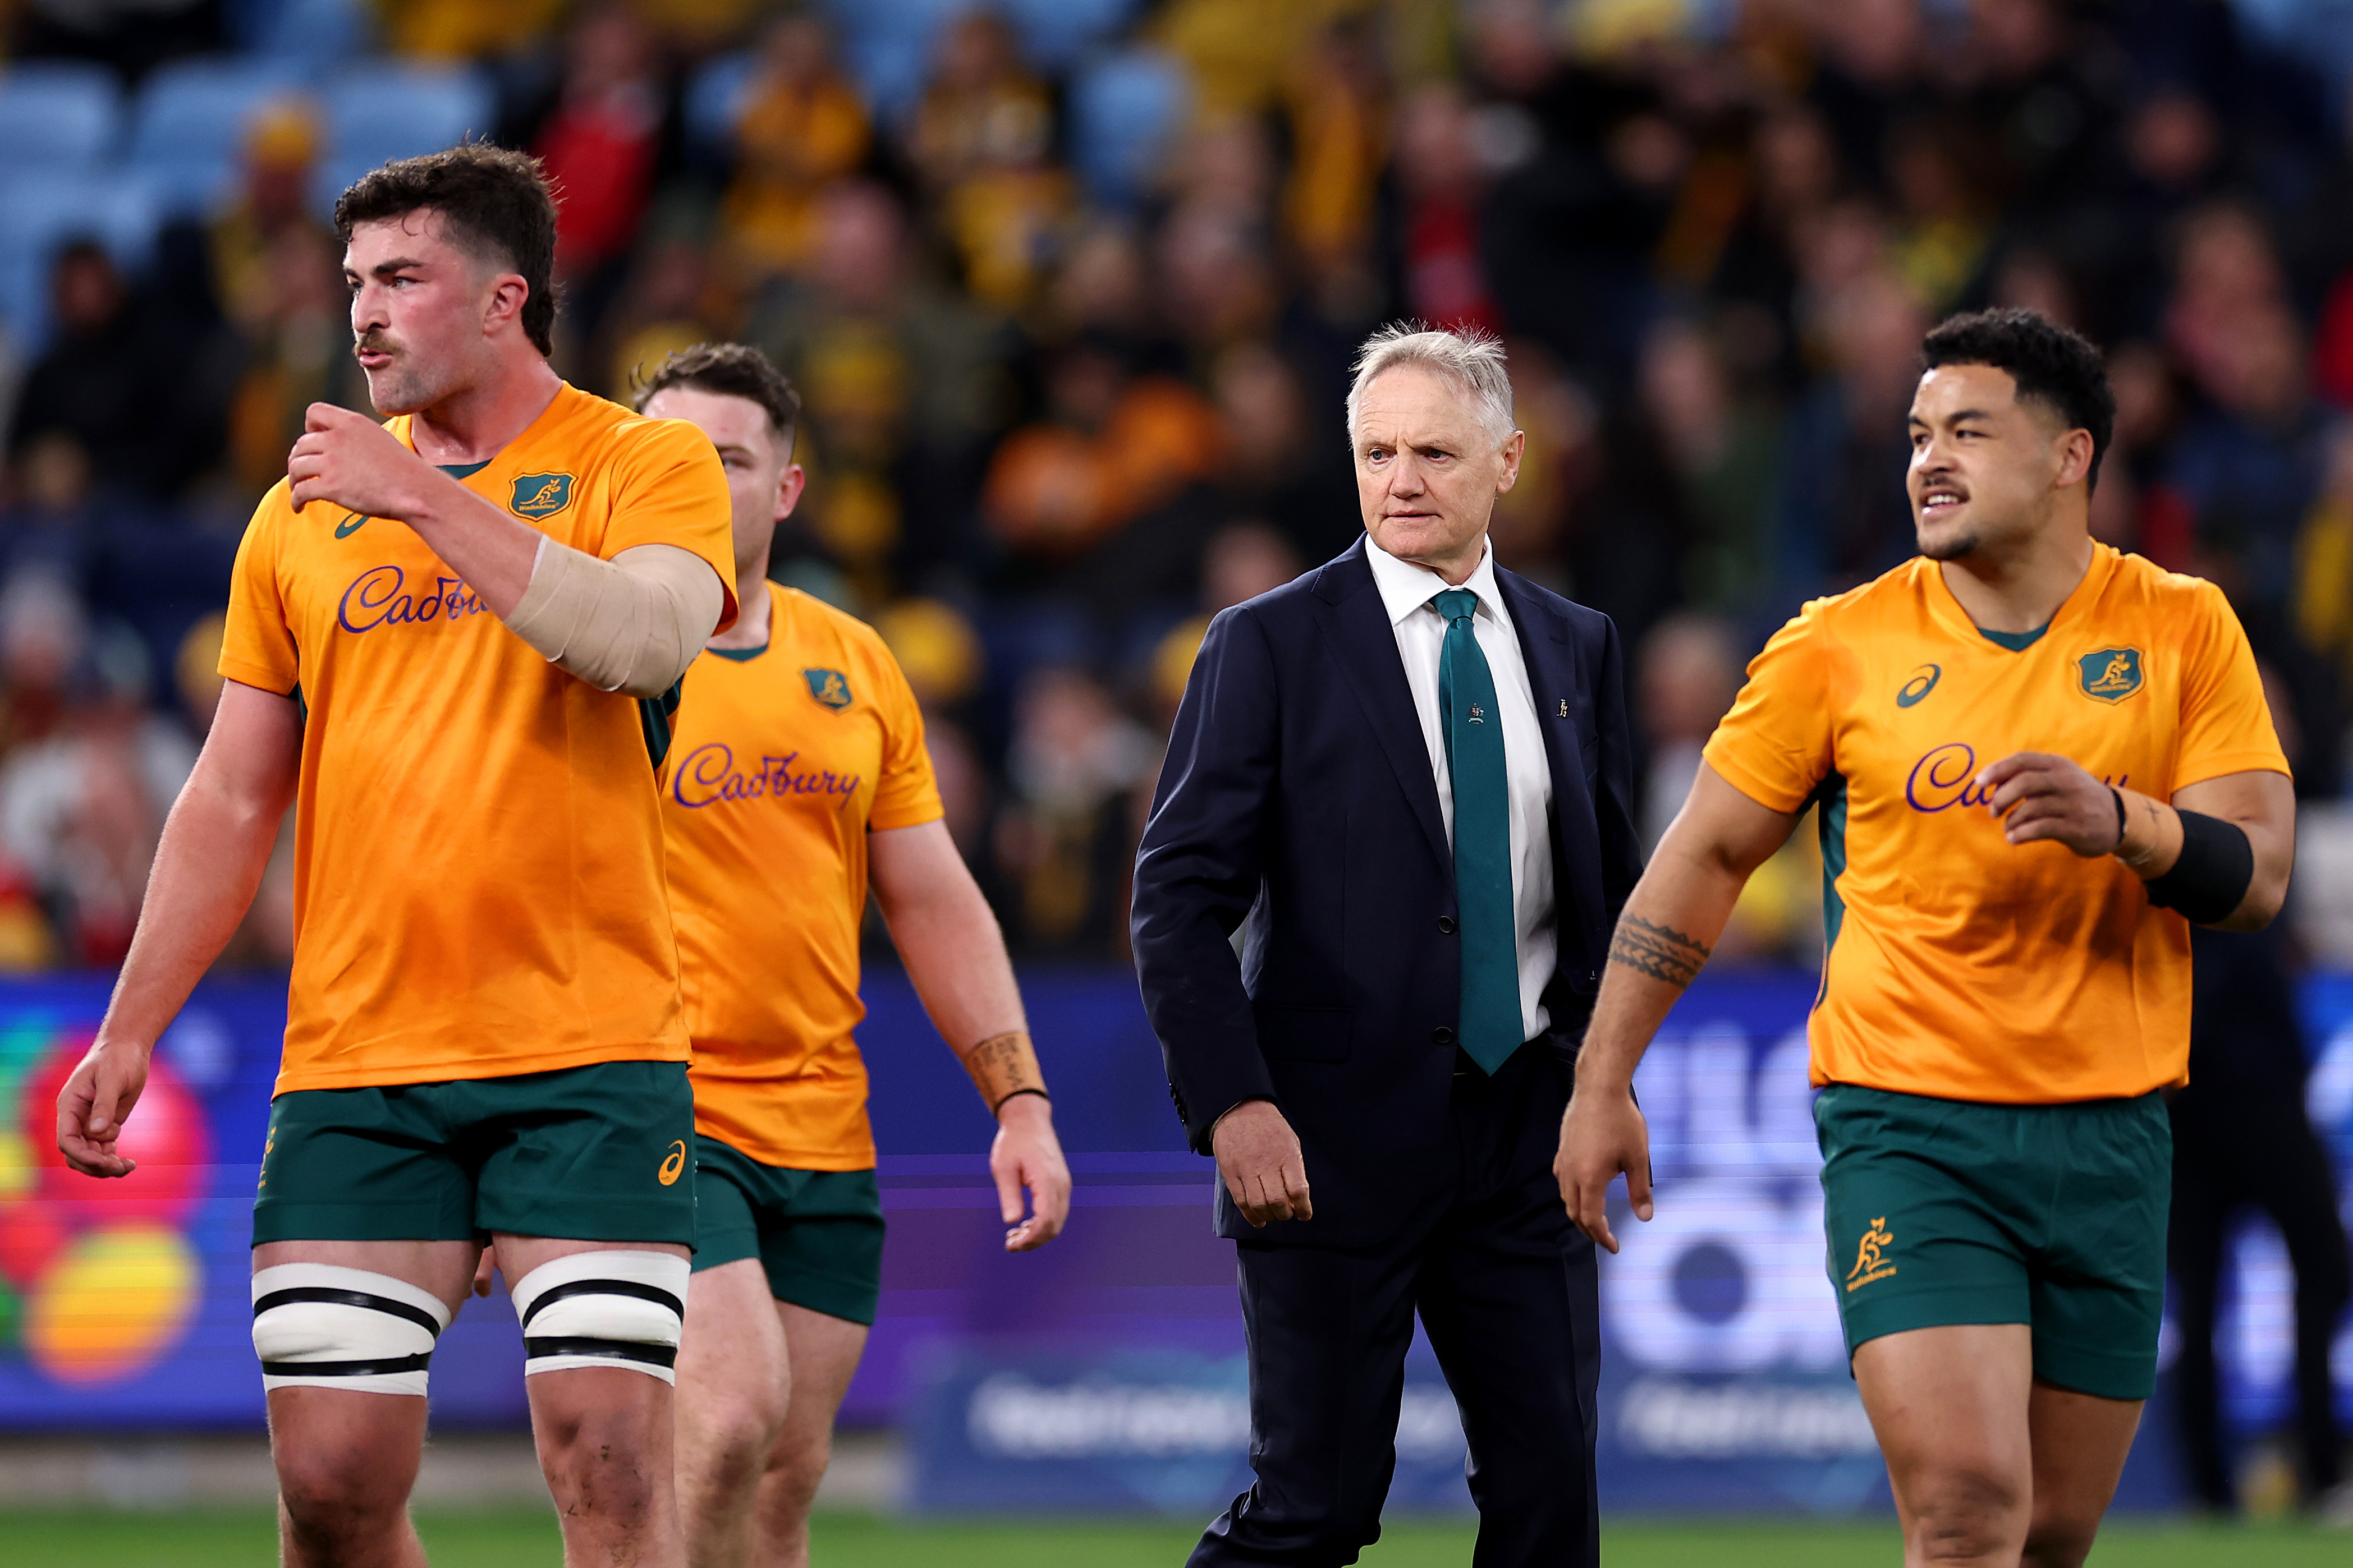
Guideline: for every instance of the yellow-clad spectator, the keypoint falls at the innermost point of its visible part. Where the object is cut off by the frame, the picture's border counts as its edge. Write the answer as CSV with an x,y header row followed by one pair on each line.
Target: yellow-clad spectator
x,y
464,29
280,147
982,110
1115,448
981,139
803,126
1337,106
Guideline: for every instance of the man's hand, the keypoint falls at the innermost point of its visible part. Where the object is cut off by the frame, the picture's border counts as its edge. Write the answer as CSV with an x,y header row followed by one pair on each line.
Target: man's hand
x,y
93,1105
1027,1154
1260,1157
482,1267
1601,1135
349,461
2038,797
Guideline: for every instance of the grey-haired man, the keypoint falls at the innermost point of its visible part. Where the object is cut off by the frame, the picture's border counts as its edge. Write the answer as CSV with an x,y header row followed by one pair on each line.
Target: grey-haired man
x,y
1405,778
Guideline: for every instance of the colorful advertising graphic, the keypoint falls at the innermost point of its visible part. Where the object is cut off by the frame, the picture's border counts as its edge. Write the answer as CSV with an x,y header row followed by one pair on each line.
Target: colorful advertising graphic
x,y
122,1301
1104,1371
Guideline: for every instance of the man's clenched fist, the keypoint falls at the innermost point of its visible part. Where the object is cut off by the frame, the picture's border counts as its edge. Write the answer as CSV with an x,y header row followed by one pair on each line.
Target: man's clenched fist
x,y
349,461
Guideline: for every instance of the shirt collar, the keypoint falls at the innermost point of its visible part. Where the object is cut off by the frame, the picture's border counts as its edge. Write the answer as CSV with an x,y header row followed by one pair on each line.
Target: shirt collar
x,y
1405,587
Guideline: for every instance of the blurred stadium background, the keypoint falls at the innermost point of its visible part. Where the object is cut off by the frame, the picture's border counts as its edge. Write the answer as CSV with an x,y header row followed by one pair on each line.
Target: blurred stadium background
x,y
1069,288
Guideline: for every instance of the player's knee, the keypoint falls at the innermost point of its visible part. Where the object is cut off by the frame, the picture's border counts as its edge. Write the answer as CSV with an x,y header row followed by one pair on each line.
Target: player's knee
x,y
341,1491
1965,1513
618,1307
319,1326
602,1464
726,1439
795,1466
2059,1539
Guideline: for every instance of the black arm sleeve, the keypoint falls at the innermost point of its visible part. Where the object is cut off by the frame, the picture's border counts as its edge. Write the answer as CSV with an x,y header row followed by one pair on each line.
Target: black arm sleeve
x,y
2212,878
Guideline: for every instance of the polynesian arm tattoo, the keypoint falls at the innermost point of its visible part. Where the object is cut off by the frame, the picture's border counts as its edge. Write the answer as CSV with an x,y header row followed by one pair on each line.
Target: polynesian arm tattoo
x,y
1659,951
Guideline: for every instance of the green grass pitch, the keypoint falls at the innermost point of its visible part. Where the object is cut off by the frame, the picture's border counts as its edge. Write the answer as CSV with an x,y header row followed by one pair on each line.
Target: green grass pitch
x,y
526,1538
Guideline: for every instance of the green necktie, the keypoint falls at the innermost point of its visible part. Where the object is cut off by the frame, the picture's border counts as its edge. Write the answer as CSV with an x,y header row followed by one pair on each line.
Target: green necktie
x,y
1489,1026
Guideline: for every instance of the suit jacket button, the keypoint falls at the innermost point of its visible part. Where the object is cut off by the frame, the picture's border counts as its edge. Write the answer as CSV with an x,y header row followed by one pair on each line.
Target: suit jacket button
x,y
1446,925
1441,1036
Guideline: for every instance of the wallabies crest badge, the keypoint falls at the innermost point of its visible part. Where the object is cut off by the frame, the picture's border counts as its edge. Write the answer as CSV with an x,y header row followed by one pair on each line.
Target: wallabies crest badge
x,y
541,495
829,686
2110,675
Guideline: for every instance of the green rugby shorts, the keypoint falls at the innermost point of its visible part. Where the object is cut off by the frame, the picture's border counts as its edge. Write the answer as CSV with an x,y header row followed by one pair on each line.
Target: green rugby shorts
x,y
1943,1211
817,1234
602,1153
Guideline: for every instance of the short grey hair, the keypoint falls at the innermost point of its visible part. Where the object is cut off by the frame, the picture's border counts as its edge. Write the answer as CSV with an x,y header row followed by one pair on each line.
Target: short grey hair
x,y
1472,361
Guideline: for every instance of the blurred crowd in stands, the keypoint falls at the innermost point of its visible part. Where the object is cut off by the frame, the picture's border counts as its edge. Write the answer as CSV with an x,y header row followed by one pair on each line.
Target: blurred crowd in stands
x,y
1070,287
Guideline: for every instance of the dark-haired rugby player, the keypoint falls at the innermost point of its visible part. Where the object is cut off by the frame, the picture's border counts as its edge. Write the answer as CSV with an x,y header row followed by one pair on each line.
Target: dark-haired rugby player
x,y
453,641
2037,762
799,776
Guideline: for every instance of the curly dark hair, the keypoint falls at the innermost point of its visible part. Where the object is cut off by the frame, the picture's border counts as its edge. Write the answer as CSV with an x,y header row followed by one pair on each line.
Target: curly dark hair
x,y
731,370
2051,365
495,204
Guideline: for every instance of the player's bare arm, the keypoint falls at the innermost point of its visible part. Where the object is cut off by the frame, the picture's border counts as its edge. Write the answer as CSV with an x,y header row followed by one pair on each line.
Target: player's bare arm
x,y
215,846
1663,936
955,954
2038,797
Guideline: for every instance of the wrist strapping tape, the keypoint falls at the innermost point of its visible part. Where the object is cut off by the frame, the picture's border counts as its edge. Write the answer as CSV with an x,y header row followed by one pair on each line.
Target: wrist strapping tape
x,y
1003,1066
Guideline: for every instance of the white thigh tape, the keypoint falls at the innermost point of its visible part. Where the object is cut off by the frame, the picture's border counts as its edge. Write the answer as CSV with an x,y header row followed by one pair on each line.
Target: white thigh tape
x,y
617,1309
319,1326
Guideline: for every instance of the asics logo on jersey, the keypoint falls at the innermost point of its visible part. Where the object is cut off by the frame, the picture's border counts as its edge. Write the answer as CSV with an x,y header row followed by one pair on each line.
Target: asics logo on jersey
x,y
353,522
2110,674
1868,1264
541,495
672,1163
708,775
379,597
1947,778
1924,681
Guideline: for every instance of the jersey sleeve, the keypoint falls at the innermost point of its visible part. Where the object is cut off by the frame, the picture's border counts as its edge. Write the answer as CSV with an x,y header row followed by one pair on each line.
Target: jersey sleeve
x,y
257,647
908,793
2226,724
1774,745
669,489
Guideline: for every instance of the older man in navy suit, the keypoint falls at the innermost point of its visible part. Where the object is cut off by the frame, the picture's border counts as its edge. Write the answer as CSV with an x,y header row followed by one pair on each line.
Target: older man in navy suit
x,y
1404,780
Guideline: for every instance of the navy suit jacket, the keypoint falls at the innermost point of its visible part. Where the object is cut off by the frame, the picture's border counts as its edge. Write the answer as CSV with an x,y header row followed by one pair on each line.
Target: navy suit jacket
x,y
1297,803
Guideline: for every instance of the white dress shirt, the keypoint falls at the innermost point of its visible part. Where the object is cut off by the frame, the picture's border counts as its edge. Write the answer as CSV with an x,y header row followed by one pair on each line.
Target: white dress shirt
x,y
1406,591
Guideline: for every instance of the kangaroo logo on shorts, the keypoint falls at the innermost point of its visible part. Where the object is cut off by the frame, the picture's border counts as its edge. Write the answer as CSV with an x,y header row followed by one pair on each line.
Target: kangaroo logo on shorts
x,y
1868,1257
829,686
673,1163
2111,675
541,495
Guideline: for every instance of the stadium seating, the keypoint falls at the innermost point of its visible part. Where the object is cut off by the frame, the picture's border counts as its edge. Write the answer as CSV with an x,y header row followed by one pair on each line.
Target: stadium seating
x,y
379,110
1055,33
189,124
311,36
58,116
39,212
887,45
715,101
1125,107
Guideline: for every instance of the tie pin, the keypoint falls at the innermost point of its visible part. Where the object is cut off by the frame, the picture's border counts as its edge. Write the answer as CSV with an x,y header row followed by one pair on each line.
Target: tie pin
x,y
1564,707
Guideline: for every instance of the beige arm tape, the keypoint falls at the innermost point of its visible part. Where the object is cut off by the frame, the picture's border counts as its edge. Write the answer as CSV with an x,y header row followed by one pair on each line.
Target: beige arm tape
x,y
632,624
1003,1066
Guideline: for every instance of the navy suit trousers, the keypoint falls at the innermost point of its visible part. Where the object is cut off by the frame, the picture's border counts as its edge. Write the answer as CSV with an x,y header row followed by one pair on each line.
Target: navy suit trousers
x,y
1505,1287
